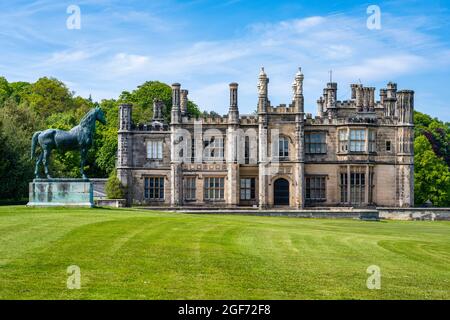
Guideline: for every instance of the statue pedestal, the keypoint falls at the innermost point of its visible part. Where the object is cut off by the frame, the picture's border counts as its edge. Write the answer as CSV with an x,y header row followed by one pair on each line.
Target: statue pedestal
x,y
61,192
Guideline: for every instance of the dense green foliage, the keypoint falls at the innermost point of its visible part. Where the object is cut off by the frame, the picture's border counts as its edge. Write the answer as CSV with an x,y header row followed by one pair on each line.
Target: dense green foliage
x,y
113,187
142,99
48,103
431,160
140,254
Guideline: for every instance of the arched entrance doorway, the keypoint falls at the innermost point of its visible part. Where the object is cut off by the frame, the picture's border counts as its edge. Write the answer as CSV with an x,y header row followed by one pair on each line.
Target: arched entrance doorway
x,y
281,192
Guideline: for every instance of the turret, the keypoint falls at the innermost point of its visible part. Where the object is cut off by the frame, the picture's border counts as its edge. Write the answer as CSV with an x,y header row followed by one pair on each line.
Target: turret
x,y
331,94
124,150
125,117
263,81
405,106
390,100
297,88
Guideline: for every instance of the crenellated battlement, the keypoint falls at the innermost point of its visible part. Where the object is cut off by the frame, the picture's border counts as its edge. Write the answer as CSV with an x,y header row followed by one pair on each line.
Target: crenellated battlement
x,y
282,108
394,106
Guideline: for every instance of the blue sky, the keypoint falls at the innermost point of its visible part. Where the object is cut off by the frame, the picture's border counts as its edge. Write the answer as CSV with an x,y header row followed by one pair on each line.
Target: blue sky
x,y
205,45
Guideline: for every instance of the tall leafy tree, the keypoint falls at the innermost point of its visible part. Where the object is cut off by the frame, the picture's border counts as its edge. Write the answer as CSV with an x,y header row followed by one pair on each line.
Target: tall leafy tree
x,y
107,137
17,125
142,100
431,173
5,90
49,96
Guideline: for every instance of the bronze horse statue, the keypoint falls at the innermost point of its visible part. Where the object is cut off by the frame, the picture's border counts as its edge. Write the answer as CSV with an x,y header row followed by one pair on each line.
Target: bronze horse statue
x,y
79,137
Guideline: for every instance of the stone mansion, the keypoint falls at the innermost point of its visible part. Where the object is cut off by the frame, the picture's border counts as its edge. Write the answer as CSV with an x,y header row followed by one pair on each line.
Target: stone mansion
x,y
353,153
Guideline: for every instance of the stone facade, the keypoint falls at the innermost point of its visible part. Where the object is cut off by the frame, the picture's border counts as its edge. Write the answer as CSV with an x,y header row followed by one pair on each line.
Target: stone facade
x,y
354,153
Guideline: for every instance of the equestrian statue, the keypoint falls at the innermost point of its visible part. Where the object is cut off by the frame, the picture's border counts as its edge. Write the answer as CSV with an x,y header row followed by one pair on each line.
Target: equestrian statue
x,y
77,138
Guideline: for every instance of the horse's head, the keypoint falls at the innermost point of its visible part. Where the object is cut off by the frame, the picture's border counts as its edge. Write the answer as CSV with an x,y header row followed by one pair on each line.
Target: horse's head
x,y
99,115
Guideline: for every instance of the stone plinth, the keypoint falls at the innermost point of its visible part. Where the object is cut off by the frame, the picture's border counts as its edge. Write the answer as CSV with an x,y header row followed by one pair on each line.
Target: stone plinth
x,y
61,192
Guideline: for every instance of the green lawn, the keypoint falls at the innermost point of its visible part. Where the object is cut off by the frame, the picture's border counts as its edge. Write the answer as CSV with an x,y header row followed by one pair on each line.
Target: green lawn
x,y
137,254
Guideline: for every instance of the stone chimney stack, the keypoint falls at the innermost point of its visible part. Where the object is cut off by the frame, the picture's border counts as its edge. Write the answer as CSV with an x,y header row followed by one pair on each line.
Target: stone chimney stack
x,y
383,95
366,95
390,100
320,104
157,110
184,102
392,90
325,100
371,99
233,112
354,87
176,111
359,97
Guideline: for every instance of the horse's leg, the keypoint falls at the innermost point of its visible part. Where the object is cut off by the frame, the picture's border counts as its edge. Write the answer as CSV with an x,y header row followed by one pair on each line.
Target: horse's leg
x,y
83,153
46,160
38,162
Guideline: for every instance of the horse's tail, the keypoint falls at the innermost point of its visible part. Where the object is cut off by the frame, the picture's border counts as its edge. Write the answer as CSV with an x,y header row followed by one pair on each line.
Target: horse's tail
x,y
34,142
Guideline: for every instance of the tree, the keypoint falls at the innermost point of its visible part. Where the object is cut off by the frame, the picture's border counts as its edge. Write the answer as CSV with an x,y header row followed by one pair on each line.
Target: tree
x,y
113,187
20,90
107,137
142,100
49,96
432,175
193,109
48,103
437,133
10,175
17,125
5,90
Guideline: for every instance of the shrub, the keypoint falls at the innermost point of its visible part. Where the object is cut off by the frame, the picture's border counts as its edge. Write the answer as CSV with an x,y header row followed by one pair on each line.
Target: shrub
x,y
113,187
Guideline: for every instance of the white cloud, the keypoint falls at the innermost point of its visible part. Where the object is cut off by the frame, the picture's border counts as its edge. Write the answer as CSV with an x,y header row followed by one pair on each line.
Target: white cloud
x,y
68,56
383,67
124,63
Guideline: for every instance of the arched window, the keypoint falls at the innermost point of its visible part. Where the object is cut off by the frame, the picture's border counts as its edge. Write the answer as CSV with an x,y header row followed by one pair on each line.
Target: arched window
x,y
283,147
